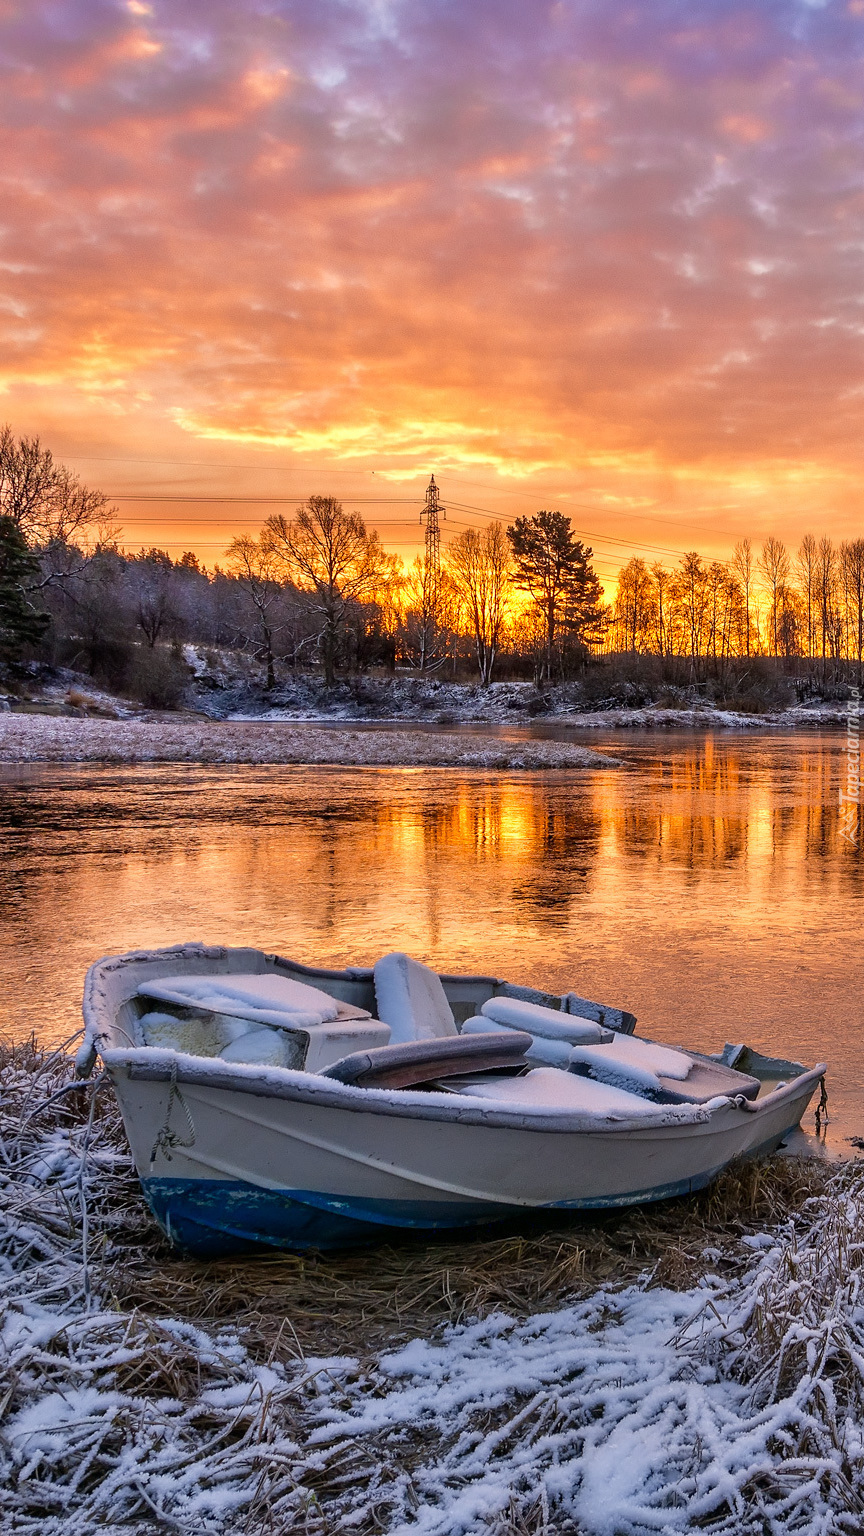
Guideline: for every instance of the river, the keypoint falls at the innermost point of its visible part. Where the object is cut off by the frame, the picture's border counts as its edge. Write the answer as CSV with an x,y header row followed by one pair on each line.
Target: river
x,y
705,886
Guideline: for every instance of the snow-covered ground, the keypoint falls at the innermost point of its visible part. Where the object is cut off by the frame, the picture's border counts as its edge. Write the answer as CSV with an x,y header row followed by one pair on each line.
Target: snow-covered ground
x,y
733,1405
225,686
47,738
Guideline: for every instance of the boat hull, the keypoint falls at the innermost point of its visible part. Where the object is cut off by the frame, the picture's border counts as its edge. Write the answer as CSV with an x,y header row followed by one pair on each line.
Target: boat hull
x,y
293,1167
212,1218
232,1155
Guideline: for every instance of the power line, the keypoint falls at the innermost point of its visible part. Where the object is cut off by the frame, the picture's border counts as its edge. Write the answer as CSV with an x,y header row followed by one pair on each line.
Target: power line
x,y
174,498
500,490
586,506
284,469
360,501
209,522
603,538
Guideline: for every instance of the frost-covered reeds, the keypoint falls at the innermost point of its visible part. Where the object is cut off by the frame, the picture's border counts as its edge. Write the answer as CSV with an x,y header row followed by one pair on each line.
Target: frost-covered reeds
x,y
793,1335
108,1417
722,1390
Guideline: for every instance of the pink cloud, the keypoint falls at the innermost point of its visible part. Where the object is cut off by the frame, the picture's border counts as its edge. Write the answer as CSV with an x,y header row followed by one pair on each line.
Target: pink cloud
x,y
544,234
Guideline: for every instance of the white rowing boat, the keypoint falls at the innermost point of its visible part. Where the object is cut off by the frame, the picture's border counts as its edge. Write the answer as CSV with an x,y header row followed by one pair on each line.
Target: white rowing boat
x,y
270,1102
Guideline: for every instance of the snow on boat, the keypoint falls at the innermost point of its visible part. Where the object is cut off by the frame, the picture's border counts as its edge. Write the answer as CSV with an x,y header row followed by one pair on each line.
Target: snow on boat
x,y
269,1102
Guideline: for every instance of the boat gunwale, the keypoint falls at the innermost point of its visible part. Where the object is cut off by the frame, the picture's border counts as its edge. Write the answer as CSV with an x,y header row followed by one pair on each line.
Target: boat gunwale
x,y
146,1064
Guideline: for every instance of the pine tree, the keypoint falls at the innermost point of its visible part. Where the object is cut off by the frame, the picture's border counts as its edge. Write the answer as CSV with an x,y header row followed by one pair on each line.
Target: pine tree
x,y
20,623
553,567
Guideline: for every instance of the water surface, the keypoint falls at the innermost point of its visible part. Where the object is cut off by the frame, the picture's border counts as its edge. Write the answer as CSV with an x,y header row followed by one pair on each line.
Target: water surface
x,y
705,887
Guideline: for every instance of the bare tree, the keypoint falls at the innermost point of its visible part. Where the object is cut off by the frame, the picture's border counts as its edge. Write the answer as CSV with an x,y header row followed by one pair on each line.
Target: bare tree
x,y
806,566
662,582
826,591
479,562
743,562
433,615
635,610
852,566
692,600
331,555
254,565
529,633
717,609
44,500
423,633
774,565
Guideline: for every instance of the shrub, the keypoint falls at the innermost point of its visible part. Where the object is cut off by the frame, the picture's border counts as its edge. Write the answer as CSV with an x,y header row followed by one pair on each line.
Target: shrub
x,y
157,678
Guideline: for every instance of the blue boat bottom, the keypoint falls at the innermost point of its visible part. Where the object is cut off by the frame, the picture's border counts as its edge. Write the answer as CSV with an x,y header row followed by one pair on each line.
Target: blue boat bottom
x,y
209,1218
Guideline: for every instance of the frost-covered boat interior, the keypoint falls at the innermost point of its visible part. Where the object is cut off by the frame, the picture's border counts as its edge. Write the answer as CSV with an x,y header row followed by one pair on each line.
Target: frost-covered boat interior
x,y
265,1020
400,1024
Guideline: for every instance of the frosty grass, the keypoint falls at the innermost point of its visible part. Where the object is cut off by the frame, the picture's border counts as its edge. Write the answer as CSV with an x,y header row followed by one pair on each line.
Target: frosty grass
x,y
46,738
734,1407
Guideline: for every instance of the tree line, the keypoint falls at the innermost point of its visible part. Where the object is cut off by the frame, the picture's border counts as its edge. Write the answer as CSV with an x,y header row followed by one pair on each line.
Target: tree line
x,y
804,607
316,590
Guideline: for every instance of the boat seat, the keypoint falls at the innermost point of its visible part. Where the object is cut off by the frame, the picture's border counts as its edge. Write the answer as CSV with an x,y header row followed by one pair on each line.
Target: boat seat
x,y
264,998
659,1072
709,1080
545,1089
663,1072
549,1023
241,1018
411,999
425,1061
553,1034
312,1049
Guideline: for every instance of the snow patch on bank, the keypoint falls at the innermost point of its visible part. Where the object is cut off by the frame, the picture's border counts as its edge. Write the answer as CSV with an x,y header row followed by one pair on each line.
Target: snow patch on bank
x,y
598,1406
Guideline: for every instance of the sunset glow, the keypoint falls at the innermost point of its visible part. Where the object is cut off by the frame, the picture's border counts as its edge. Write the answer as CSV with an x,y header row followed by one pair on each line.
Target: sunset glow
x,y
596,256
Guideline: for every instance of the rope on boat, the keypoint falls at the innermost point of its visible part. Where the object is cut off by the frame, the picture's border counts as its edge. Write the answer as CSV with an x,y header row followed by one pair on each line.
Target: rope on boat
x,y
822,1108
167,1139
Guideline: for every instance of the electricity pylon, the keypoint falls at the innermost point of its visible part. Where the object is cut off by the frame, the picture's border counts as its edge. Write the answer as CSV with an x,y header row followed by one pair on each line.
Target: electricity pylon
x,y
429,652
430,514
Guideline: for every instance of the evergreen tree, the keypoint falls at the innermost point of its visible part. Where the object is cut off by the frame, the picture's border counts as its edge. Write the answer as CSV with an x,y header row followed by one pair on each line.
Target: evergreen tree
x,y
553,567
20,623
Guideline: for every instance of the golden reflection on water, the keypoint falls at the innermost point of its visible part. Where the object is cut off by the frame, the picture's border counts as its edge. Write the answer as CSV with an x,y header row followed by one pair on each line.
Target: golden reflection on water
x,y
705,885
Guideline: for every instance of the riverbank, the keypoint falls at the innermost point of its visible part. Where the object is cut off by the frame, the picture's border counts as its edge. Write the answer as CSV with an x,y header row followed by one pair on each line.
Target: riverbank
x,y
224,686
654,717
41,738
697,1361
595,701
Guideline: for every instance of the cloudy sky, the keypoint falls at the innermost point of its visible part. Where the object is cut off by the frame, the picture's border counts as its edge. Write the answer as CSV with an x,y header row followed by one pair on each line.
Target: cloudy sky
x,y
606,255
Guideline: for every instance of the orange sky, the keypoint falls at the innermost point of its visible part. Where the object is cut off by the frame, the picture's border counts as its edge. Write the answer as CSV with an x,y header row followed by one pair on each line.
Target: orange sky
x,y
596,256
